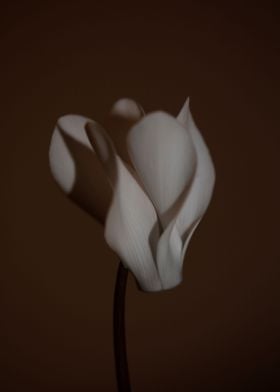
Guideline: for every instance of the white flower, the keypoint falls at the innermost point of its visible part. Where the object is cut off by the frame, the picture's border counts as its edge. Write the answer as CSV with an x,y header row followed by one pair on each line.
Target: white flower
x,y
160,189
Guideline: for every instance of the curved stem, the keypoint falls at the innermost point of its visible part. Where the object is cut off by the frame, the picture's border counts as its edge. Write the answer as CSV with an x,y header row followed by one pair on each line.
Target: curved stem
x,y
121,365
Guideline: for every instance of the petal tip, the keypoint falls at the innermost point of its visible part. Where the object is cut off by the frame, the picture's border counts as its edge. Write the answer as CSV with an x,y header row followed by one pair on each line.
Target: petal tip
x,y
128,108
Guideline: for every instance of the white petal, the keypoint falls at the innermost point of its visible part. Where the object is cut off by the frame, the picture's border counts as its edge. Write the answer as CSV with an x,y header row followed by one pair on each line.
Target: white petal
x,y
61,161
169,261
131,222
202,186
171,250
76,168
164,157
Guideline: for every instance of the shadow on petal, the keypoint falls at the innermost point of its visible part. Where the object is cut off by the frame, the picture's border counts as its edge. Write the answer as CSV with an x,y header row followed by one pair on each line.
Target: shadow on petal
x,y
124,114
90,190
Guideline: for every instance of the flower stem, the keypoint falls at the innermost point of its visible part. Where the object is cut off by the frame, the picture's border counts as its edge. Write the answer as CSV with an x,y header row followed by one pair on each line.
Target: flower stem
x,y
121,364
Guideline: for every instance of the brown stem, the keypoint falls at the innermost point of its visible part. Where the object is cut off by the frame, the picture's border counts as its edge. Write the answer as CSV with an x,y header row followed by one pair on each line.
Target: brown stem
x,y
121,364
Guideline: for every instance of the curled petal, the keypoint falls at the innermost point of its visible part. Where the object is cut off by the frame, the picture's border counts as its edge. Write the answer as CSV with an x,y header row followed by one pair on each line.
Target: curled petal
x,y
175,239
75,167
169,260
131,224
164,157
199,195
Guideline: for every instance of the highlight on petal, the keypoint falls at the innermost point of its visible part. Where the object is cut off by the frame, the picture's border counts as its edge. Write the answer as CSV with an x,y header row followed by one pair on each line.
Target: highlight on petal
x,y
131,223
201,190
75,167
164,157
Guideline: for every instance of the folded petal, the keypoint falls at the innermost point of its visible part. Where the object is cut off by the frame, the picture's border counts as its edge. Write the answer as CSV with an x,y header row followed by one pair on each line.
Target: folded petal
x,y
131,228
199,195
175,239
164,157
169,260
75,167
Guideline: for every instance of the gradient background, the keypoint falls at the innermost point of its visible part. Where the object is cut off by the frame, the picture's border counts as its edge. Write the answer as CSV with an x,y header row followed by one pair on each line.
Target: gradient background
x,y
218,331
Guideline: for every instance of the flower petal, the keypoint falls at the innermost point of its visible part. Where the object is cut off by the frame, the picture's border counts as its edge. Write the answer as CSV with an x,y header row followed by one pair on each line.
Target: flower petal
x,y
201,190
164,157
131,223
175,239
169,261
75,167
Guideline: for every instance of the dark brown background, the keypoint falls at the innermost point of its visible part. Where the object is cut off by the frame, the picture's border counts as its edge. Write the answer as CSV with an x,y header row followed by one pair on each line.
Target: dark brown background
x,y
218,331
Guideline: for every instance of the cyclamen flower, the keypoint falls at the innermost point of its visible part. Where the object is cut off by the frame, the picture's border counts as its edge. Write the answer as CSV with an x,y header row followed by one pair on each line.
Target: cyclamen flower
x,y
161,176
